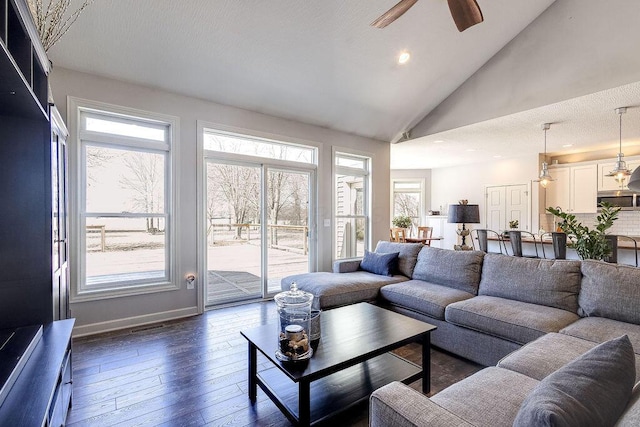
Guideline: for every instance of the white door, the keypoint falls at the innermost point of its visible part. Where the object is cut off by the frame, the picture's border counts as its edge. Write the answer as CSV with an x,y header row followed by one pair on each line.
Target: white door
x,y
507,203
517,209
496,207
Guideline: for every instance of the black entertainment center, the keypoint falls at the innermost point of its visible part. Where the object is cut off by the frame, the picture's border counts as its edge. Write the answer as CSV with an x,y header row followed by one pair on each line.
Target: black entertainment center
x,y
35,340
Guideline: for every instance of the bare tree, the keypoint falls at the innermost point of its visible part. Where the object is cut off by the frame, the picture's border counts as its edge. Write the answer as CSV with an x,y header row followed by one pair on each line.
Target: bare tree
x,y
145,179
239,188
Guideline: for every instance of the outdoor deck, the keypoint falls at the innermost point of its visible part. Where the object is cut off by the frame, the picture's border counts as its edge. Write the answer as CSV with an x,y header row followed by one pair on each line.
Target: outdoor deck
x,y
234,269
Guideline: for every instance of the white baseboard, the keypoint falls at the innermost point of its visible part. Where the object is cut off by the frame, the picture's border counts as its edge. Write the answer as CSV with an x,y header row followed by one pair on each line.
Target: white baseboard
x,y
129,322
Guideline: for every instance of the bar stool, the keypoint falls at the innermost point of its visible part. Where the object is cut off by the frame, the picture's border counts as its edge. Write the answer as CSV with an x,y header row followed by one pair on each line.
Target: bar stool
x,y
482,236
612,240
515,237
559,243
635,245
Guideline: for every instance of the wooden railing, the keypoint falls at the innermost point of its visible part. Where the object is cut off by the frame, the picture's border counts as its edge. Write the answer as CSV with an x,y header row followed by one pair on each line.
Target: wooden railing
x,y
245,232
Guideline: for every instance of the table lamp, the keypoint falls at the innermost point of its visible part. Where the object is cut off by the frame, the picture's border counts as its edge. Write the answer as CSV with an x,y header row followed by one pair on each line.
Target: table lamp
x,y
463,213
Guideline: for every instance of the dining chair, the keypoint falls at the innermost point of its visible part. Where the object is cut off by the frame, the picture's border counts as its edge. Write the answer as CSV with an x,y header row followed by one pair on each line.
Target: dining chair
x,y
397,235
425,233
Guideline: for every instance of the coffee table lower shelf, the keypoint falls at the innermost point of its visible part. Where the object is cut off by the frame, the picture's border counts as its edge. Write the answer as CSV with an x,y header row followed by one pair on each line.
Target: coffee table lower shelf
x,y
338,391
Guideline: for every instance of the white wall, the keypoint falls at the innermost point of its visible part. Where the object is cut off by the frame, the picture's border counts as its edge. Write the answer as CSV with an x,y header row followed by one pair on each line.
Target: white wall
x,y
574,48
449,185
124,311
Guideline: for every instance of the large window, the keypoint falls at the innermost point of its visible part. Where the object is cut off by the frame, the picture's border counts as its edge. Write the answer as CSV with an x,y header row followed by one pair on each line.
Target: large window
x,y
351,202
124,203
407,200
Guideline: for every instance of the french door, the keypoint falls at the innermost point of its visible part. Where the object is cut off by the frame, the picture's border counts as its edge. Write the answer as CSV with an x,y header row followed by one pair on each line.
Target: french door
x,y
257,228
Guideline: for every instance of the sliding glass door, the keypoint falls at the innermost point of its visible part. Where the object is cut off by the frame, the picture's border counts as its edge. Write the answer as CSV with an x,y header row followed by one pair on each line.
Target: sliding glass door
x,y
246,260
287,225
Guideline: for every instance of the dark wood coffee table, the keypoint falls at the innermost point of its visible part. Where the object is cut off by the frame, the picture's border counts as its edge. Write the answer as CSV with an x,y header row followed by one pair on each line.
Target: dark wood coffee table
x,y
350,362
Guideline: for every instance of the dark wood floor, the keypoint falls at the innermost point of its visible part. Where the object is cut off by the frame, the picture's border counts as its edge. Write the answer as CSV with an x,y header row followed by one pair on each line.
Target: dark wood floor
x,y
193,372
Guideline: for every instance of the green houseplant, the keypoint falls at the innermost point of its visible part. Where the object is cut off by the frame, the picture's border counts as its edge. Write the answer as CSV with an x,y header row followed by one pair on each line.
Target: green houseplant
x,y
589,244
402,221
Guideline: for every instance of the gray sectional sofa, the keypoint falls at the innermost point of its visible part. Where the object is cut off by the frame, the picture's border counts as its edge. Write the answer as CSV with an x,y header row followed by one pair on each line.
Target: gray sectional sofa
x,y
530,317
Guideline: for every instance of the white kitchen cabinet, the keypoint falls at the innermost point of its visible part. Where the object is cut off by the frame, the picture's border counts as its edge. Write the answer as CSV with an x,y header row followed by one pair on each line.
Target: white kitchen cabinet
x,y
575,188
558,191
608,183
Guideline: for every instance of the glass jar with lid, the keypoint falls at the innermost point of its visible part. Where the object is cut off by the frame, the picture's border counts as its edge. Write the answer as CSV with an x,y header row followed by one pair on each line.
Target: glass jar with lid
x,y
294,323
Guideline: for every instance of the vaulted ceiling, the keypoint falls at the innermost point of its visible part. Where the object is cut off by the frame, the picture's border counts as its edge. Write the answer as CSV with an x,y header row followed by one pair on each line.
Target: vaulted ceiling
x,y
320,62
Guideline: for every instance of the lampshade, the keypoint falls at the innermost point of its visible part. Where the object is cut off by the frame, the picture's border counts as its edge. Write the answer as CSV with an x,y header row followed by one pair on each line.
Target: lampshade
x,y
459,214
634,180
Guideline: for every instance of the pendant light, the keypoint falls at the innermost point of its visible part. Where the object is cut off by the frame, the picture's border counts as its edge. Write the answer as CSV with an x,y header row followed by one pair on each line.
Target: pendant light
x,y
620,172
545,176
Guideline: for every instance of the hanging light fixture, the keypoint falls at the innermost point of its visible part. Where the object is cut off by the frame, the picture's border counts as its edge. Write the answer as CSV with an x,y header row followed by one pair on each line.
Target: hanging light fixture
x,y
620,172
545,177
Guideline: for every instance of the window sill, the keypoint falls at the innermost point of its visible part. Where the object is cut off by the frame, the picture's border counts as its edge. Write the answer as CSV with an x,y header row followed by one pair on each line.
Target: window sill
x,y
118,292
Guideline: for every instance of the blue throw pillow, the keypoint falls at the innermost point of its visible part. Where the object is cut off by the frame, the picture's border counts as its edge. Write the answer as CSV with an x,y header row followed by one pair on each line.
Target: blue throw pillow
x,y
383,264
593,390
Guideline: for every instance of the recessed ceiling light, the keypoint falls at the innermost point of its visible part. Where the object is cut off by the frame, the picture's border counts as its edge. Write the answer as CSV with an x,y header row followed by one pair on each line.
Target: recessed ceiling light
x,y
438,141
404,57
567,145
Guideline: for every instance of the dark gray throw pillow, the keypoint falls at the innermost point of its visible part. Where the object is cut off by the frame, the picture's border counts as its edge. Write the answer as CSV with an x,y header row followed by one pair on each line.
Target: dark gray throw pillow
x,y
592,390
383,264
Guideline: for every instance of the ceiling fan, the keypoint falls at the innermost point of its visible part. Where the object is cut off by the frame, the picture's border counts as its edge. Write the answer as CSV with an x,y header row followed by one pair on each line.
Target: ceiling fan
x,y
465,13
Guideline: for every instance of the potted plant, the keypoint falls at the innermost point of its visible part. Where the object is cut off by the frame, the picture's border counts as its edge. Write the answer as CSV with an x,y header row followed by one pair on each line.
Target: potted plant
x,y
513,224
589,244
402,221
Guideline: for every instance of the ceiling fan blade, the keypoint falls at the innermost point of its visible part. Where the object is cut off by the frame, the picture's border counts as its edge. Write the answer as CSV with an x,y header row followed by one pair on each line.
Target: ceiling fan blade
x,y
465,13
394,13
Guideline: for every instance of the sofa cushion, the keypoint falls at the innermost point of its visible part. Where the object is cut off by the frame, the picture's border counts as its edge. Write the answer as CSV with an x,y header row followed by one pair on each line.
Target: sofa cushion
x,y
515,321
594,389
491,397
384,264
408,254
456,269
599,330
335,289
554,283
611,291
631,415
424,297
549,353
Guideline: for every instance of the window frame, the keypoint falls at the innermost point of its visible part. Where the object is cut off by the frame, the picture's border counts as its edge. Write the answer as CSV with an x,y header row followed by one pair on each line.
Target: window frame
x,y
420,191
366,174
78,109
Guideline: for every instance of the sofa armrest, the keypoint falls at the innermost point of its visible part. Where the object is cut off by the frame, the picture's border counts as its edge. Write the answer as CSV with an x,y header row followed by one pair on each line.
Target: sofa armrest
x,y
346,265
401,406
